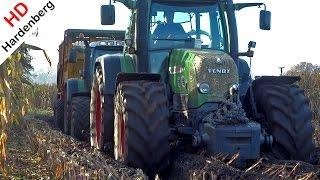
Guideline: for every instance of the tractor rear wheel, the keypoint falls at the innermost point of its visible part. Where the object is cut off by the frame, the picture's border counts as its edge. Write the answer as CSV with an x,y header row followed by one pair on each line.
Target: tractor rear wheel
x,y
101,114
141,126
288,119
80,117
58,113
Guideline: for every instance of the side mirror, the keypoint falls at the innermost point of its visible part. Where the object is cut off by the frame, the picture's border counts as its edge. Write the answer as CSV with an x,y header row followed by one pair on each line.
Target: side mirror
x,y
107,15
252,44
73,56
265,20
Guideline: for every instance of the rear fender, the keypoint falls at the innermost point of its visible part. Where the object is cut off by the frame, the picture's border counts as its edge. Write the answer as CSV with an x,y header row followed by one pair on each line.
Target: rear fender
x,y
252,94
263,80
137,76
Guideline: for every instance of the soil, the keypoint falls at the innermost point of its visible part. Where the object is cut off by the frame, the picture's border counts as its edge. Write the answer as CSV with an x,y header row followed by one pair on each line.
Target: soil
x,y
36,150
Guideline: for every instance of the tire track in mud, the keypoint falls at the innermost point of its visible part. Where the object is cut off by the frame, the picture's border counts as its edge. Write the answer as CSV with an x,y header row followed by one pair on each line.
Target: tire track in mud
x,y
62,156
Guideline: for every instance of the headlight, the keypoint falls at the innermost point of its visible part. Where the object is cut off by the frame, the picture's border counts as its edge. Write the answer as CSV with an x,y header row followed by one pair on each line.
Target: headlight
x,y
234,89
204,88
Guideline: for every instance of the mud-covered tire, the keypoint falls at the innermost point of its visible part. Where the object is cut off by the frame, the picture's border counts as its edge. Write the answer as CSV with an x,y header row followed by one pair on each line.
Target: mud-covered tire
x,y
80,118
58,114
141,126
101,114
288,119
67,118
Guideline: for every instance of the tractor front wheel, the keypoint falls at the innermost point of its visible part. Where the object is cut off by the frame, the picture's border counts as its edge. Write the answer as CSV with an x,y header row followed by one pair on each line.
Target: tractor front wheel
x,y
67,117
58,113
80,117
141,128
101,114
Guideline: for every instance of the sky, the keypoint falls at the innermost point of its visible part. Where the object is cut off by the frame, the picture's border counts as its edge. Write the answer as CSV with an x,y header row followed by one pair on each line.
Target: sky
x,y
292,39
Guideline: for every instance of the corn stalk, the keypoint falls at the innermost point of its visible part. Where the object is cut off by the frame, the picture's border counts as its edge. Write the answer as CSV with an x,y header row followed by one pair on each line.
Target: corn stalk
x,y
14,80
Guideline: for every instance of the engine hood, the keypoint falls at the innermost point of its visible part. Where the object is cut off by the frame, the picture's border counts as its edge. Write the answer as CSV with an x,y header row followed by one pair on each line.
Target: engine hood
x,y
188,68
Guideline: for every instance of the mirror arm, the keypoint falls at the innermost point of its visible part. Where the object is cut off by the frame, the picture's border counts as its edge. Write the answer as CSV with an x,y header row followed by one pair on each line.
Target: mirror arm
x,y
239,6
242,54
249,53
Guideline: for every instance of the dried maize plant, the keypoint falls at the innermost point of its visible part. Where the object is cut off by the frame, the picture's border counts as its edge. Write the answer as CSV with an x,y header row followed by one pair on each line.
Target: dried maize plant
x,y
310,82
15,75
40,96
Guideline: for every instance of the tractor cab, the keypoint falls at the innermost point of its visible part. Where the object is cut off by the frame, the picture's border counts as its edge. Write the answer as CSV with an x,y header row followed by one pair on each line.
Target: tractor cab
x,y
159,26
191,26
172,25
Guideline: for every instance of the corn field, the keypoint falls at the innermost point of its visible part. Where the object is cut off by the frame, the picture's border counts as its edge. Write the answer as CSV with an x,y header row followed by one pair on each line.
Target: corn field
x,y
15,88
13,81
40,96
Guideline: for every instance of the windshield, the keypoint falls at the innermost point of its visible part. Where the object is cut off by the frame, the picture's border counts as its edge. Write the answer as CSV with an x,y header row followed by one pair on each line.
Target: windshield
x,y
186,26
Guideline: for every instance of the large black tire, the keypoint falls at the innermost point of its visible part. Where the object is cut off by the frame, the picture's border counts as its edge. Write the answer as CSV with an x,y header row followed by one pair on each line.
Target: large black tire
x,y
80,118
54,103
142,126
67,117
288,119
58,113
101,114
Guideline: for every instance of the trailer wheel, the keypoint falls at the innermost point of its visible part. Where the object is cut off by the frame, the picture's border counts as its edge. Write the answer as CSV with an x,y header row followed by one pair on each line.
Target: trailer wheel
x,y
288,119
141,126
67,117
101,114
58,113
80,117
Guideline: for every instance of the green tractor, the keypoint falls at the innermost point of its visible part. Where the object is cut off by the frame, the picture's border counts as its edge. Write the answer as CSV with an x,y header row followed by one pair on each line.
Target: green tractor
x,y
180,81
77,54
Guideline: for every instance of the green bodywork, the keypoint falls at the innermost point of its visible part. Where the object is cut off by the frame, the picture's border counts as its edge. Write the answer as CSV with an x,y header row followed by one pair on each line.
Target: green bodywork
x,y
127,63
215,68
81,86
75,86
190,67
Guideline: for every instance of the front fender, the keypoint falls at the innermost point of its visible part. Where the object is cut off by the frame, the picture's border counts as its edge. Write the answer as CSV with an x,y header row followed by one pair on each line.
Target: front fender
x,y
76,87
112,65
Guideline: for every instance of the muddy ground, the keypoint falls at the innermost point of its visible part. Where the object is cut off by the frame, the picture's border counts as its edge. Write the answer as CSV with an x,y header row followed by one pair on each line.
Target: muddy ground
x,y
36,150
